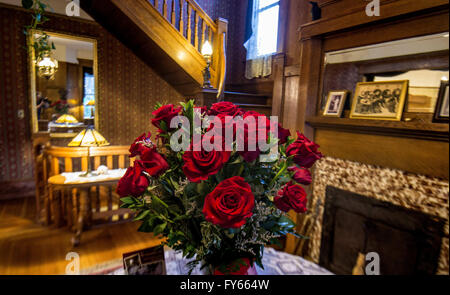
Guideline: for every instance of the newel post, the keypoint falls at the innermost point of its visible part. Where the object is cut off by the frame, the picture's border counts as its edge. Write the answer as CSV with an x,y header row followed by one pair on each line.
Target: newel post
x,y
220,56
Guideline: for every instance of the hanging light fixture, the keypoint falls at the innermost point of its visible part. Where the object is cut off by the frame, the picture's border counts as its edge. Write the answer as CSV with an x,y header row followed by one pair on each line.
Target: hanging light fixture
x,y
47,67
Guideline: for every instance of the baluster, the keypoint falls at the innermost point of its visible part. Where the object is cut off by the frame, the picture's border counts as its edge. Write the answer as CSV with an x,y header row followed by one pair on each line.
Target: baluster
x,y
203,31
157,4
165,8
189,23
174,19
196,31
181,17
210,34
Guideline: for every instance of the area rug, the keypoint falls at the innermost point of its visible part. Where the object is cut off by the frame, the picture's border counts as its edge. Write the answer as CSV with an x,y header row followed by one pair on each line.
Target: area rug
x,y
275,263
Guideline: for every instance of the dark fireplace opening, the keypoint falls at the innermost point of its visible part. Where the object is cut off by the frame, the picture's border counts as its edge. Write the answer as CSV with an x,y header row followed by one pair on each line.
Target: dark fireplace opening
x,y
407,242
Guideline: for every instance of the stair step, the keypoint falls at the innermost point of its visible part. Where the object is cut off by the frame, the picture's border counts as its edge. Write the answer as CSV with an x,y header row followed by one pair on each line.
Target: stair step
x,y
246,98
263,109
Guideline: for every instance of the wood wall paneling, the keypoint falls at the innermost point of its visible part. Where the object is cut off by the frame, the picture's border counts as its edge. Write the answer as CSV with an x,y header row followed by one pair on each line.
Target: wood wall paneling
x,y
425,157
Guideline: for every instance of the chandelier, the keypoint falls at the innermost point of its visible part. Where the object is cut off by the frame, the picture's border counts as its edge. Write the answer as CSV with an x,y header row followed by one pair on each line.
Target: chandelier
x,y
47,67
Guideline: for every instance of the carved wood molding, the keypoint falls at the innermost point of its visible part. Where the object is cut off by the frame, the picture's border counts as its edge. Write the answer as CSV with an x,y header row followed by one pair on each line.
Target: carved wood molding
x,y
412,129
354,18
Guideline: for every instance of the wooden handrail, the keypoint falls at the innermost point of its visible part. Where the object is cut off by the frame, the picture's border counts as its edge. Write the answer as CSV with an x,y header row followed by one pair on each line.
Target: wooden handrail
x,y
190,19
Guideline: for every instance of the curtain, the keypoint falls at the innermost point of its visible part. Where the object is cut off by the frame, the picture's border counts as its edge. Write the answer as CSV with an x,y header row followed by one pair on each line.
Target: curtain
x,y
255,66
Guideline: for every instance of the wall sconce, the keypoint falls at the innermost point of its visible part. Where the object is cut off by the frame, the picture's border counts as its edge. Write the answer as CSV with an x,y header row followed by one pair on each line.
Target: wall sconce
x,y
47,67
207,52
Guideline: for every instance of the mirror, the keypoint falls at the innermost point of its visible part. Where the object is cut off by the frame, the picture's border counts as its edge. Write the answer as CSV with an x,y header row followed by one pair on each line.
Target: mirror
x,y
421,60
64,86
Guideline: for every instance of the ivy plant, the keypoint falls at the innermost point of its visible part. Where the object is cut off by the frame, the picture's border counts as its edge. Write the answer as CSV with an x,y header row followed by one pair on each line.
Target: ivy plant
x,y
40,43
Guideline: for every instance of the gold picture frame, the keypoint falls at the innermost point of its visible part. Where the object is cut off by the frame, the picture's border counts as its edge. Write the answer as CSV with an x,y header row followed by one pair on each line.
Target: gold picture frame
x,y
335,103
32,76
383,100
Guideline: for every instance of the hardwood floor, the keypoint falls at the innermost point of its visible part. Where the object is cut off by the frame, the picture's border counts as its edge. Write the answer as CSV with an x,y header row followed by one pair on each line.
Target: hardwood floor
x,y
27,248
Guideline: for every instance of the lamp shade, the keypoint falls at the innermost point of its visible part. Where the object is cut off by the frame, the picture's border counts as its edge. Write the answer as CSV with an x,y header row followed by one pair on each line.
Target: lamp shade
x,y
88,138
67,119
207,49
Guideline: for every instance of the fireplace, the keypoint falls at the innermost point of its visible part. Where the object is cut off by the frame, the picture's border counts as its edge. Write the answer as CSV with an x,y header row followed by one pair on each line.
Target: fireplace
x,y
407,241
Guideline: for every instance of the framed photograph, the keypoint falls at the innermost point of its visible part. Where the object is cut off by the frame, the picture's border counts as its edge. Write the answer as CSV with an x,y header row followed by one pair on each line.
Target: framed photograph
x,y
145,262
335,103
379,100
442,105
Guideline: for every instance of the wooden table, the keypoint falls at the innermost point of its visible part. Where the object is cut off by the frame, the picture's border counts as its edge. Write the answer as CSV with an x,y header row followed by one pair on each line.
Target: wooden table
x,y
74,183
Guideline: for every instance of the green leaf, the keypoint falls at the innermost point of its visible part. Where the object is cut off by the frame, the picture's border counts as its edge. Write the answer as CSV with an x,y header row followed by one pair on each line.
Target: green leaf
x,y
128,200
142,215
159,228
286,223
27,4
163,126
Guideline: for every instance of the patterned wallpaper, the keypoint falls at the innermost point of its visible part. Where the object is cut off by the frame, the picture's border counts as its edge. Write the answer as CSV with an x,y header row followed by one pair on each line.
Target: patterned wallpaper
x,y
411,191
235,12
128,90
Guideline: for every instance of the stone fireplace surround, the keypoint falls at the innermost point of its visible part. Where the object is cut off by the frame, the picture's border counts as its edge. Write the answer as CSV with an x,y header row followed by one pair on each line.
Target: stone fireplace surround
x,y
411,191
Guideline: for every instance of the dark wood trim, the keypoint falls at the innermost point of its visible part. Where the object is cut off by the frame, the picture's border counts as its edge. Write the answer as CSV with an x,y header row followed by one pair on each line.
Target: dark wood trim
x,y
328,2
293,70
309,84
278,86
359,17
412,129
396,29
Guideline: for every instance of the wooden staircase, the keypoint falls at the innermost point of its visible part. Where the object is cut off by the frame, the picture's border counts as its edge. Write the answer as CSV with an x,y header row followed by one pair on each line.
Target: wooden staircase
x,y
168,36
250,102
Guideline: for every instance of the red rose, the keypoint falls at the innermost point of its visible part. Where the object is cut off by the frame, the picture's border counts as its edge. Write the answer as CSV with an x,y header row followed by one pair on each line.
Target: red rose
x,y
165,114
153,163
133,183
225,108
292,196
137,149
251,133
302,176
283,134
230,203
199,165
305,152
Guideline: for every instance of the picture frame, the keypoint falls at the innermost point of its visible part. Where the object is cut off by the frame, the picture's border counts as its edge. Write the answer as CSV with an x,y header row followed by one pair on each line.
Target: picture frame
x,y
335,103
441,113
383,100
148,261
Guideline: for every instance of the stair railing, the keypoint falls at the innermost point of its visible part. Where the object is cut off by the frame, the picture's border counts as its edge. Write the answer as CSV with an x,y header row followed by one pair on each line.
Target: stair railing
x,y
196,26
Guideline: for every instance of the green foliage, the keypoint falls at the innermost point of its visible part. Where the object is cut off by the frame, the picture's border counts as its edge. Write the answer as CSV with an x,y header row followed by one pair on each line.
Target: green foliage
x,y
40,44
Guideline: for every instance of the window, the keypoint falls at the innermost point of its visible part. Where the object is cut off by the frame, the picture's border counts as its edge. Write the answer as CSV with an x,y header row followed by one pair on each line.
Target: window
x,y
267,34
89,93
265,28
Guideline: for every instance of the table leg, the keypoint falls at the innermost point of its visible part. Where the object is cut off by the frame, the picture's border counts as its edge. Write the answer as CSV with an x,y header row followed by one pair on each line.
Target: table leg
x,y
74,209
54,207
47,207
82,215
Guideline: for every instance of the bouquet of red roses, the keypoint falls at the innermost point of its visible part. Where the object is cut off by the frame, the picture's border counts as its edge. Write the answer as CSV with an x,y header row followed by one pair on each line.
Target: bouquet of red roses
x,y
218,183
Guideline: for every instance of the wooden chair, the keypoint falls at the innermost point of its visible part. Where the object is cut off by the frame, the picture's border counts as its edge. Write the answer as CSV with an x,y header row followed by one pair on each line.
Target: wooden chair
x,y
64,159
